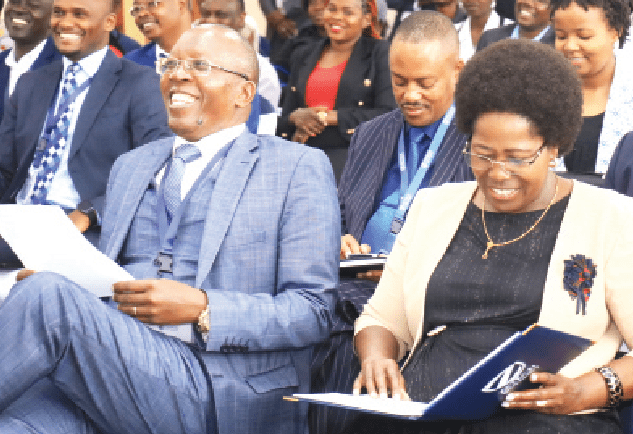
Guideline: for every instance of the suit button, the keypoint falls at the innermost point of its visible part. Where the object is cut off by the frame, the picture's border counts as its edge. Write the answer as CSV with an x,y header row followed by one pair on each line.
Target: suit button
x,y
367,82
360,103
350,131
292,88
284,135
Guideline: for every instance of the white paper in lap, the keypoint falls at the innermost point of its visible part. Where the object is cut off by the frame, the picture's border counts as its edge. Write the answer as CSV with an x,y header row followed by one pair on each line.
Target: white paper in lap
x,y
45,239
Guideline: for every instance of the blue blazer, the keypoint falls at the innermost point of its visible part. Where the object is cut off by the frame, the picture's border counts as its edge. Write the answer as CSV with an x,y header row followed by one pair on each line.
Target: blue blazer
x,y
619,175
268,262
122,110
146,55
491,36
49,54
371,152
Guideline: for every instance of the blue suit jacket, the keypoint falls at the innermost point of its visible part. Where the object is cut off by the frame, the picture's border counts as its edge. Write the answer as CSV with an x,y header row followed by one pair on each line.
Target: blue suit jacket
x,y
49,54
122,110
268,262
371,151
146,55
619,175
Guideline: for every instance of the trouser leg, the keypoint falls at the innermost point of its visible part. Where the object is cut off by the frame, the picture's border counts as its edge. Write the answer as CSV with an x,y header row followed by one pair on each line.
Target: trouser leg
x,y
124,376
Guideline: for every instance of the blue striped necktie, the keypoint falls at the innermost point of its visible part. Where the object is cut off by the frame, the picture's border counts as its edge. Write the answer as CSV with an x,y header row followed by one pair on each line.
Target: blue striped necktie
x,y
184,154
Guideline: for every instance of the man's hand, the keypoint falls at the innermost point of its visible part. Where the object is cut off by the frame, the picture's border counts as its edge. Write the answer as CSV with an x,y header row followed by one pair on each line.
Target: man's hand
x,y
349,246
381,377
80,220
160,302
23,274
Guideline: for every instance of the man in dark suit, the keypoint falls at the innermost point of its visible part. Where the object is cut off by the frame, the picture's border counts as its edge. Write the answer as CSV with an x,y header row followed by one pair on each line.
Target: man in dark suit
x,y
162,23
419,139
28,24
533,22
67,122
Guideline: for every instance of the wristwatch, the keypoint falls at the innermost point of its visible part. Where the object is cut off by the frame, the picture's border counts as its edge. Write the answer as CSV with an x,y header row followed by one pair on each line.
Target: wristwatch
x,y
203,319
87,208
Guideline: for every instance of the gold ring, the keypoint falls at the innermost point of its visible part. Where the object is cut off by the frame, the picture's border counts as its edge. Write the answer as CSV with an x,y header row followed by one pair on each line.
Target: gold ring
x,y
322,117
134,310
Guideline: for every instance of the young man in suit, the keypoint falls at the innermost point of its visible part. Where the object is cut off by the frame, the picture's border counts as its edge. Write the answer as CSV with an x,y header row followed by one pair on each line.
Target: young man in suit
x,y
418,138
162,22
67,122
28,24
246,234
533,22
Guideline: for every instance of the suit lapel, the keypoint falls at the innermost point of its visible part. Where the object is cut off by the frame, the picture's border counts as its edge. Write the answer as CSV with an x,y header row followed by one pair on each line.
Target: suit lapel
x,y
448,156
102,84
48,54
356,62
308,66
226,194
138,181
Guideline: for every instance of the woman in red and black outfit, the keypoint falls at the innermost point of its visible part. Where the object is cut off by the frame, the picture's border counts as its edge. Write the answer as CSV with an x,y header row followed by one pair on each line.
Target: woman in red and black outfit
x,y
337,82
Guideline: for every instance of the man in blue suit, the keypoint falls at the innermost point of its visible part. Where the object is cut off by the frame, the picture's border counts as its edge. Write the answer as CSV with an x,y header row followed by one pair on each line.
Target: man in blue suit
x,y
419,138
234,247
162,23
81,112
28,24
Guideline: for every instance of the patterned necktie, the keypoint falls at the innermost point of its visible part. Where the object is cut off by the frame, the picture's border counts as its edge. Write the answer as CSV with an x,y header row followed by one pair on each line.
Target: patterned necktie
x,y
46,161
185,153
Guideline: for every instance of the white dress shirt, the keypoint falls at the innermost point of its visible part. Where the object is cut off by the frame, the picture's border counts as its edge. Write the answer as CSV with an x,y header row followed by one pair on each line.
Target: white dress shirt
x,y
466,47
19,67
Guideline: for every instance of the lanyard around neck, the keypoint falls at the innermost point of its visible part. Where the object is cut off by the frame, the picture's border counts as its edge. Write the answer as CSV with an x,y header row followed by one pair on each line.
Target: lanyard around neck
x,y
515,33
407,191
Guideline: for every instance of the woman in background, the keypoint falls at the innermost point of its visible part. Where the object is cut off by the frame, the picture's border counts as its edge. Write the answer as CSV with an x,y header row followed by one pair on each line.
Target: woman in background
x,y
337,82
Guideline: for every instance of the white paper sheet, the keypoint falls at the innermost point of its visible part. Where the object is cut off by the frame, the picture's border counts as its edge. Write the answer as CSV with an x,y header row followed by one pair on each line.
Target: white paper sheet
x,y
45,239
365,402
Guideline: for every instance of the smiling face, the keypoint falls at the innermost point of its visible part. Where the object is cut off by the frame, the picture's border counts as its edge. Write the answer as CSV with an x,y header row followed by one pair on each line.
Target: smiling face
x,y
81,27
532,15
345,20
503,136
586,39
157,22
28,20
199,105
423,79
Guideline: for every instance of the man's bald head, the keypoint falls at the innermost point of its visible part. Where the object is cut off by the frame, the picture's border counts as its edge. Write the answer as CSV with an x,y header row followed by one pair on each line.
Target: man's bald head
x,y
214,93
421,27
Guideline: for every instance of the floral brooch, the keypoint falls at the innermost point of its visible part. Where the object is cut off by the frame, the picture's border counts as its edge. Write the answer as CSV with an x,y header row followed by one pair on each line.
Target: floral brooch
x,y
578,277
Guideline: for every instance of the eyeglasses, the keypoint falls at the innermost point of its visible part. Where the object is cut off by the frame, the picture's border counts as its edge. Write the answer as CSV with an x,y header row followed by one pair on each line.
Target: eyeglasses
x,y
151,6
197,66
514,165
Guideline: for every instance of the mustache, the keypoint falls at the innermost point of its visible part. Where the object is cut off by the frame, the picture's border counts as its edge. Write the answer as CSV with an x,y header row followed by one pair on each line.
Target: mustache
x,y
414,105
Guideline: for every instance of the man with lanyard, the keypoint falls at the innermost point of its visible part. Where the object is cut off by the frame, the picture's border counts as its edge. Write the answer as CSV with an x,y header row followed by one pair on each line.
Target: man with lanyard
x,y
391,157
67,122
533,21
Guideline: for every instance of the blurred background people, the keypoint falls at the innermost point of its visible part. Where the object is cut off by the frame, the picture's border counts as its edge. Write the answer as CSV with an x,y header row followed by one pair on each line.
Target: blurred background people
x,y
533,21
481,17
587,32
467,273
337,82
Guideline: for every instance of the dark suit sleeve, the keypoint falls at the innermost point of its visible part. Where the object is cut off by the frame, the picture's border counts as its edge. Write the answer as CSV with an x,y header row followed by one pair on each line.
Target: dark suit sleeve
x,y
618,175
8,158
350,117
148,118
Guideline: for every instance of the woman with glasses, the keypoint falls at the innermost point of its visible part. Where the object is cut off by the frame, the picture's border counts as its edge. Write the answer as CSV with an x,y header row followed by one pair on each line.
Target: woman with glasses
x,y
587,32
337,82
476,262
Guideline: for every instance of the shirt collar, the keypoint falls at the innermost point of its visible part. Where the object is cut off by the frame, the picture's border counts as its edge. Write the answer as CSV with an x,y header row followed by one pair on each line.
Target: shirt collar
x,y
91,63
160,51
212,143
28,59
429,130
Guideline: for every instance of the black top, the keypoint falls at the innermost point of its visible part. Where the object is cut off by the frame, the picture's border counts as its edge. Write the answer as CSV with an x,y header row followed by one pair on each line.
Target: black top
x,y
583,158
482,301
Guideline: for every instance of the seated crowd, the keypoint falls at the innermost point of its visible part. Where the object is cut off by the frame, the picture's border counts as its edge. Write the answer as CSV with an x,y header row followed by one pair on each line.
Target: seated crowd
x,y
229,176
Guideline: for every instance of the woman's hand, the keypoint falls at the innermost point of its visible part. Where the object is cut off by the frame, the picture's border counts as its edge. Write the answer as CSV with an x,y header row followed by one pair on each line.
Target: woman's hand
x,y
381,377
300,136
558,394
308,120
